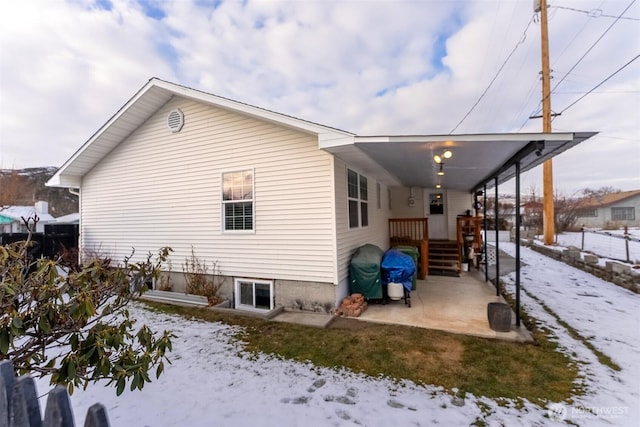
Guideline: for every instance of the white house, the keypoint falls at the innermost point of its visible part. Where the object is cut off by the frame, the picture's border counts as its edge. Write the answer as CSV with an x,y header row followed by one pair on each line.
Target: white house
x,y
611,210
12,218
280,203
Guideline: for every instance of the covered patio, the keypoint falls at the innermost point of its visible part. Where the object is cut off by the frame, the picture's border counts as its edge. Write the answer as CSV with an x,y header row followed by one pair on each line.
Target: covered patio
x,y
452,304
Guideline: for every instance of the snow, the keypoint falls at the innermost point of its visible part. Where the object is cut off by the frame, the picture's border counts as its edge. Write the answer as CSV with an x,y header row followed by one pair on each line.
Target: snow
x,y
604,245
211,381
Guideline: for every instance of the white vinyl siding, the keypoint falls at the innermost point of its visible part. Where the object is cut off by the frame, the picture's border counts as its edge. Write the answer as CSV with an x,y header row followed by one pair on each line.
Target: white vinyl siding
x,y
161,188
348,240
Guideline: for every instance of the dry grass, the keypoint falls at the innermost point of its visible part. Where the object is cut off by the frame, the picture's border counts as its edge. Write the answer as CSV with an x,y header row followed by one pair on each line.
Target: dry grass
x,y
479,366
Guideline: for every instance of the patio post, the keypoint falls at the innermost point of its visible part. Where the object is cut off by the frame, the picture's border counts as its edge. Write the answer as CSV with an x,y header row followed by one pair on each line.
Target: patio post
x,y
495,208
484,243
517,243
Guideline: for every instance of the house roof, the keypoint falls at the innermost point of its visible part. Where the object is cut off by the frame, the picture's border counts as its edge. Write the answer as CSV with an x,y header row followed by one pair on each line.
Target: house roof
x,y
16,213
72,218
393,160
608,199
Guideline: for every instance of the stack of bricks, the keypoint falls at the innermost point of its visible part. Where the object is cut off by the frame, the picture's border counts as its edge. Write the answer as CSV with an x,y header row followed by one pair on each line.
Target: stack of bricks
x,y
352,306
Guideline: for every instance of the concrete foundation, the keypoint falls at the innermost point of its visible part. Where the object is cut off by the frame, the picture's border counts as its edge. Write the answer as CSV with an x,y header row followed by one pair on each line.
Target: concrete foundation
x,y
308,296
293,295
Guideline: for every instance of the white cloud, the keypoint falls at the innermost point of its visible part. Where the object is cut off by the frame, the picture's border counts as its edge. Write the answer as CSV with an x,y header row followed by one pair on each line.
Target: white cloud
x,y
364,66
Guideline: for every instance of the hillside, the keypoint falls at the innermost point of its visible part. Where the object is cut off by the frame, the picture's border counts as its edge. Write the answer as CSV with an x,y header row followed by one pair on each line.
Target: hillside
x,y
29,185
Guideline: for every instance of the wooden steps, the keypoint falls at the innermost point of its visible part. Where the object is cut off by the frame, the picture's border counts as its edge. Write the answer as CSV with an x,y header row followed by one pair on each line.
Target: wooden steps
x,y
444,258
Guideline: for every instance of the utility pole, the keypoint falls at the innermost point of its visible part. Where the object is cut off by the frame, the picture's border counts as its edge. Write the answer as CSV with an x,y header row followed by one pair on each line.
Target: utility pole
x,y
548,214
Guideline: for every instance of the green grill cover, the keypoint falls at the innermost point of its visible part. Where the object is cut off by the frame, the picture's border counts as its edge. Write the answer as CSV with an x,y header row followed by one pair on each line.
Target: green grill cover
x,y
364,272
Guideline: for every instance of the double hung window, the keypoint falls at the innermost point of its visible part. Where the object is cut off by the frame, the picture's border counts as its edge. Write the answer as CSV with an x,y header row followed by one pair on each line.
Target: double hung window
x,y
357,196
237,201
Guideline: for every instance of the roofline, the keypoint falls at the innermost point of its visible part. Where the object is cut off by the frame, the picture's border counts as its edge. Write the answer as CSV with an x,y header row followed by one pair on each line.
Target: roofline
x,y
208,98
592,202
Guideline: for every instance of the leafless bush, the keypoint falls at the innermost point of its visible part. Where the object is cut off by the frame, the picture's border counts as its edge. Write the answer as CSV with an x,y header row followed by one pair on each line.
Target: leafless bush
x,y
165,279
200,280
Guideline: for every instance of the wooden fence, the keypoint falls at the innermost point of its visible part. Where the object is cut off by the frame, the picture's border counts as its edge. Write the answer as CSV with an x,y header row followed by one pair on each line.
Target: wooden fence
x,y
19,405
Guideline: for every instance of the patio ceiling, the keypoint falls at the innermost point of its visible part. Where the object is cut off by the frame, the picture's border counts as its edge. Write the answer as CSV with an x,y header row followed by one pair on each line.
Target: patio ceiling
x,y
477,158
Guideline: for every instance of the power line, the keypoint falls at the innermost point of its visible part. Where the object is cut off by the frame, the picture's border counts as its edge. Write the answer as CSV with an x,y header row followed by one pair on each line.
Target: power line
x,y
595,13
593,45
600,84
524,34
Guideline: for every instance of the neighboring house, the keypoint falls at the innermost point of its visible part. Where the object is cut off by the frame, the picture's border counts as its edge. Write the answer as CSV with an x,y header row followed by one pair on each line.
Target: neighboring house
x,y
281,204
11,218
531,214
613,210
72,218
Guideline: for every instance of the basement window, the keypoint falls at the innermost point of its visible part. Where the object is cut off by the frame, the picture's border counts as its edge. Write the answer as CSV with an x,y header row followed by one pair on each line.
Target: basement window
x,y
254,295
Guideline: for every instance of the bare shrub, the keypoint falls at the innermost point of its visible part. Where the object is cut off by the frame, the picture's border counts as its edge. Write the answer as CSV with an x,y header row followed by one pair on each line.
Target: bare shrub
x,y
165,279
200,280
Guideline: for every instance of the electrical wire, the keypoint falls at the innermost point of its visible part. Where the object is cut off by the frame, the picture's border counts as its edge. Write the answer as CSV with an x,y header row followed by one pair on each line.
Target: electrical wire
x,y
595,13
600,84
524,34
593,45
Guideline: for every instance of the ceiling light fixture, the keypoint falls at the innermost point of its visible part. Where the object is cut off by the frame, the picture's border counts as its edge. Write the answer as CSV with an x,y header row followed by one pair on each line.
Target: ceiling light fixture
x,y
439,158
441,171
438,185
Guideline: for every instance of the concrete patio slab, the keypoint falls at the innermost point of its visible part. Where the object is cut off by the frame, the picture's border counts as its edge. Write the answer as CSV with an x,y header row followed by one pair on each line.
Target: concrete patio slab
x,y
451,304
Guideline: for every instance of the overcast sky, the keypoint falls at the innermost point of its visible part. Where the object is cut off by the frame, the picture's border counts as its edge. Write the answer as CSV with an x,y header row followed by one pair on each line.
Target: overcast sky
x,y
368,67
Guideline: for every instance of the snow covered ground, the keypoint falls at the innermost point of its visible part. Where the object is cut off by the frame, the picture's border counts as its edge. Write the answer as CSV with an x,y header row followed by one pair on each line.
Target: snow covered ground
x,y
604,245
213,383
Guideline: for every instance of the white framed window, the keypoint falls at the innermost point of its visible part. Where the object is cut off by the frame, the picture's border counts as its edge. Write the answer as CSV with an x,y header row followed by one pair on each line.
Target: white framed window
x,y
588,213
237,201
251,294
357,199
623,214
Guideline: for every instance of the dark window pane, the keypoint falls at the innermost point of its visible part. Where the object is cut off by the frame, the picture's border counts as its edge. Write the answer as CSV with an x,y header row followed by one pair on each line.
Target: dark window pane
x,y
364,195
436,206
263,295
364,213
352,184
246,293
353,214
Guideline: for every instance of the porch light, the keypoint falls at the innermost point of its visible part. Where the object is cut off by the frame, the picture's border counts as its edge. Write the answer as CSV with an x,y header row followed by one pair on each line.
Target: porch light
x,y
439,159
441,172
438,185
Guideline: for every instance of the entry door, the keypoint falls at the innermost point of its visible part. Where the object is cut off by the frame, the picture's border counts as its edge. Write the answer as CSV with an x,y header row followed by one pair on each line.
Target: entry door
x,y
436,210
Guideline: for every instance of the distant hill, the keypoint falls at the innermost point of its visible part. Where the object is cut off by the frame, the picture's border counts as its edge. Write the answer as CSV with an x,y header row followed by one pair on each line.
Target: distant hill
x,y
32,189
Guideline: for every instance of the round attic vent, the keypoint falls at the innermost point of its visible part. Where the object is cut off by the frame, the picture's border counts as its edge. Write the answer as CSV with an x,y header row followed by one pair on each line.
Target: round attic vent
x,y
175,121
